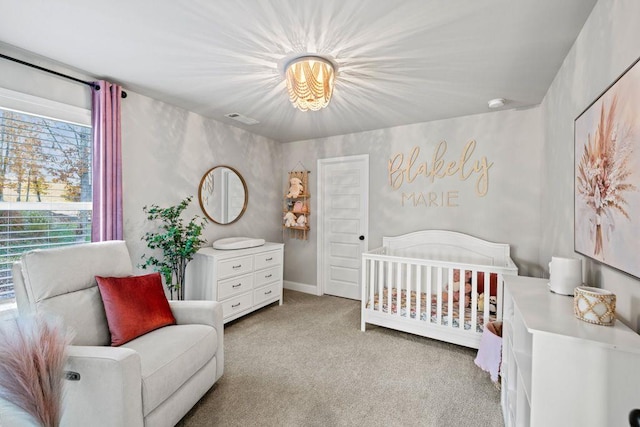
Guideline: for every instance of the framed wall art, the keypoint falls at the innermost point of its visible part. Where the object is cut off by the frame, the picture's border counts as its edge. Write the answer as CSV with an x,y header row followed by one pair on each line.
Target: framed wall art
x,y
607,175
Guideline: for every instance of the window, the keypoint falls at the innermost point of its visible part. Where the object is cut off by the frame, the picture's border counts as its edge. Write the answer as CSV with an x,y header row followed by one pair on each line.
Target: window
x,y
45,178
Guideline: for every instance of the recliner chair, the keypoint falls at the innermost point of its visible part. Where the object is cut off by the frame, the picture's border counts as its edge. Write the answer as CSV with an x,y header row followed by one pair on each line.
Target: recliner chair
x,y
152,380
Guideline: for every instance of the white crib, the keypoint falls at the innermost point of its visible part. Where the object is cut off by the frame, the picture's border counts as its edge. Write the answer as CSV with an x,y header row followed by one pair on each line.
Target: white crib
x,y
404,284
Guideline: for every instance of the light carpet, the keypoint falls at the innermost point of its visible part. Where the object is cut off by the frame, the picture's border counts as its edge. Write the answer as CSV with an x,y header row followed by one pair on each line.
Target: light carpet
x,y
306,363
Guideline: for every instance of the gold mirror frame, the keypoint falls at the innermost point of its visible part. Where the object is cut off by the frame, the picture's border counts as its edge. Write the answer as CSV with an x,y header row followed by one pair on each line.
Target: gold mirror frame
x,y
202,198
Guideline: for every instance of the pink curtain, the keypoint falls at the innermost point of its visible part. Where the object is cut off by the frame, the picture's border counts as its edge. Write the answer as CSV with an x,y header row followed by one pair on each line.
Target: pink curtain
x,y
107,163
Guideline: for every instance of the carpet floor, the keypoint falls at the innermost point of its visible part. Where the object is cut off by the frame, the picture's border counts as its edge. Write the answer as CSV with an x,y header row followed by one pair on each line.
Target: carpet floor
x,y
306,363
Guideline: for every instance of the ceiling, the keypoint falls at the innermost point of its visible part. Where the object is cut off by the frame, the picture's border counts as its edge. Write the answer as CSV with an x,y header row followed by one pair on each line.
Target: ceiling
x,y
400,62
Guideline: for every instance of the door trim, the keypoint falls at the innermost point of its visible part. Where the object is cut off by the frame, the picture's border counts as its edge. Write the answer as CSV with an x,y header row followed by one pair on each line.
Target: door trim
x,y
320,240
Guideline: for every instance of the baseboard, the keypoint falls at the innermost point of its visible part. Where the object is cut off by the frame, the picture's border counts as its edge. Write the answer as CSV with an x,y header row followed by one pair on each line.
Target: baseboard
x,y
300,287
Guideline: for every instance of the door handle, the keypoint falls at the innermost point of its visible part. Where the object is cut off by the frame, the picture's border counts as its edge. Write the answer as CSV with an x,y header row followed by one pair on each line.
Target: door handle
x,y
361,237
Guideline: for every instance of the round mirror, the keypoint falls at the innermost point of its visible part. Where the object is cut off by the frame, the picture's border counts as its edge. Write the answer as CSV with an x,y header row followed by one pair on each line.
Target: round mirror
x,y
223,195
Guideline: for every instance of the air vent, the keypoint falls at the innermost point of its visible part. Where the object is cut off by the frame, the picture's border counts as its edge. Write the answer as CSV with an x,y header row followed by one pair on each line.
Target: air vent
x,y
242,119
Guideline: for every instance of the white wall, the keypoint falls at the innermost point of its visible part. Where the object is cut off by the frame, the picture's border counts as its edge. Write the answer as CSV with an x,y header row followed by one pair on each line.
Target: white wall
x,y
509,212
606,46
22,79
166,150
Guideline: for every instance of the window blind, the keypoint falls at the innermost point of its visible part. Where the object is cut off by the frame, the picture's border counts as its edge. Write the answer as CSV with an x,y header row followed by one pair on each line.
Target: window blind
x,y
45,187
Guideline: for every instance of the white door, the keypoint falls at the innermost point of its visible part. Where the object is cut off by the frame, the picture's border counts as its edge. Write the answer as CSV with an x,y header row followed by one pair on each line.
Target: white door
x,y
343,223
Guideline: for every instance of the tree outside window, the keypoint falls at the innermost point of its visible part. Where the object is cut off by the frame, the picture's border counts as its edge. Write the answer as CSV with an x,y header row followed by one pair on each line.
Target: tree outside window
x,y
45,187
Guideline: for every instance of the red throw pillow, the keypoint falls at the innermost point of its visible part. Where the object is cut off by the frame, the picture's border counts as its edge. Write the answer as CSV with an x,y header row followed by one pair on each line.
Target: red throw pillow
x,y
134,306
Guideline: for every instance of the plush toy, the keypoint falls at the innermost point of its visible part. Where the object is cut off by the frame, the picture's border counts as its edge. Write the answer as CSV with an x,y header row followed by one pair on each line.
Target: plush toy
x,y
301,221
296,188
467,276
297,207
493,303
289,219
455,287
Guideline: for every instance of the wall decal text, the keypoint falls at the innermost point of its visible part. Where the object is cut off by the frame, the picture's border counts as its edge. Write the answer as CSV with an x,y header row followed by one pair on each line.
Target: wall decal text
x,y
406,169
445,199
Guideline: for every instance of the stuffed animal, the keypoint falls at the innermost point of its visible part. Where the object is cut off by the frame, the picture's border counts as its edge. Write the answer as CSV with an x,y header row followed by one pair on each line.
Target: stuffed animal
x,y
289,219
467,276
455,288
481,302
301,221
493,303
297,207
296,188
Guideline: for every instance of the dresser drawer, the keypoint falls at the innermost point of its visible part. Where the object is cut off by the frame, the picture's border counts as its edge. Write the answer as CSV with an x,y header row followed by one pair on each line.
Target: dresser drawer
x,y
267,259
269,275
235,266
234,286
242,280
236,304
267,293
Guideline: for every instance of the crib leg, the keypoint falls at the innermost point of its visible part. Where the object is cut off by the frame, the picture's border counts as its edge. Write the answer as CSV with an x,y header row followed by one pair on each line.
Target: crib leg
x,y
363,325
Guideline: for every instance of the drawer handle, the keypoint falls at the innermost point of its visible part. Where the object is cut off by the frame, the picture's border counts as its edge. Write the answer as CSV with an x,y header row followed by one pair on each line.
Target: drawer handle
x,y
266,277
236,286
235,305
237,266
267,293
269,259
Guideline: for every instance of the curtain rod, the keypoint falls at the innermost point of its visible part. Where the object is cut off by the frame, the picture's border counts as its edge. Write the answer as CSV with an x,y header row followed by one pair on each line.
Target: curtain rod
x,y
46,70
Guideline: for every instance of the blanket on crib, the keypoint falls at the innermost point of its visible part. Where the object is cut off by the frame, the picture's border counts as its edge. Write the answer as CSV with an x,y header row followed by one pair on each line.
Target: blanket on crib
x,y
433,303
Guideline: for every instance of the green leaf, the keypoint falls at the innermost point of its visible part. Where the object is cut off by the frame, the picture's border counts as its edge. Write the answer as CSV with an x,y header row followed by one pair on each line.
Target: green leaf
x,y
177,243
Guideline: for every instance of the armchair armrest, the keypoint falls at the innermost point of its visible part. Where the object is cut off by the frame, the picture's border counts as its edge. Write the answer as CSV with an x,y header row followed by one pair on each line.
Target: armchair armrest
x,y
199,312
206,313
109,390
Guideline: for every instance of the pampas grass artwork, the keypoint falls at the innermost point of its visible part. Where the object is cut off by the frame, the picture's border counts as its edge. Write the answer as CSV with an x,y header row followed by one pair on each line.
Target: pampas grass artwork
x,y
606,214
603,174
32,359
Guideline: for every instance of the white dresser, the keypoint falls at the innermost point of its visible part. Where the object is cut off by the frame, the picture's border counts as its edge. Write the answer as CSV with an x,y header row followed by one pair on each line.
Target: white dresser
x,y
560,371
242,280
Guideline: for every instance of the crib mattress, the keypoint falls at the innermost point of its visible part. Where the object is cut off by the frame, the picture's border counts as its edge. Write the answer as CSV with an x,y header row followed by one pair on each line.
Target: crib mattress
x,y
433,317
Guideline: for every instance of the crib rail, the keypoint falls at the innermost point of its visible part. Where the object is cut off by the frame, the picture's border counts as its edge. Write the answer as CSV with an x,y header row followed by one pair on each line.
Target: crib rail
x,y
415,290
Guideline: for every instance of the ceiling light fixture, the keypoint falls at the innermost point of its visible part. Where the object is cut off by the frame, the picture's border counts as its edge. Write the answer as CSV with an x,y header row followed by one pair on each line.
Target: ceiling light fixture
x,y
310,81
496,103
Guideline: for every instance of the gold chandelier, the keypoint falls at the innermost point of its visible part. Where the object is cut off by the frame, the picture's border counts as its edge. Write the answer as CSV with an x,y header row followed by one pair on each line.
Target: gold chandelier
x,y
310,82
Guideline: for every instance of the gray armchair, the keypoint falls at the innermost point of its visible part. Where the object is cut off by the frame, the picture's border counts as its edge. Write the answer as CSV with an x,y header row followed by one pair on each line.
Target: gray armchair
x,y
153,380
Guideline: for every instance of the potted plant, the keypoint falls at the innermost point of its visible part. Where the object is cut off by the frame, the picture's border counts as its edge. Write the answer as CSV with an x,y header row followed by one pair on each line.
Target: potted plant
x,y
177,241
